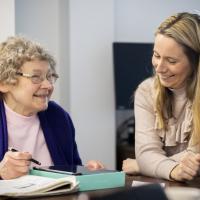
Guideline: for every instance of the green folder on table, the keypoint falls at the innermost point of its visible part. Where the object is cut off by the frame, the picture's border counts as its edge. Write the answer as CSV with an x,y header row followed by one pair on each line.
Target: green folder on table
x,y
88,180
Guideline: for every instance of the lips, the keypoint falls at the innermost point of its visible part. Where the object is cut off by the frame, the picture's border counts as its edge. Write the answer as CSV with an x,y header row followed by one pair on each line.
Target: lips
x,y
166,77
41,95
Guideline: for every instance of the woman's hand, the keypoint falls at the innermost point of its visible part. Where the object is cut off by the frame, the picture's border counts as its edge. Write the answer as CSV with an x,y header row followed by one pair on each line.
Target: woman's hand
x,y
130,166
14,164
188,167
94,165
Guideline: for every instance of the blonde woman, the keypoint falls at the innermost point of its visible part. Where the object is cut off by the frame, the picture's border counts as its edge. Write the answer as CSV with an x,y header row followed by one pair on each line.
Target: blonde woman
x,y
167,105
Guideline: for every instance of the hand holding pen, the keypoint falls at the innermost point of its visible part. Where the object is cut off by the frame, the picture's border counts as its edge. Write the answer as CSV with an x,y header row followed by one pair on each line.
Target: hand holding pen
x,y
31,159
15,164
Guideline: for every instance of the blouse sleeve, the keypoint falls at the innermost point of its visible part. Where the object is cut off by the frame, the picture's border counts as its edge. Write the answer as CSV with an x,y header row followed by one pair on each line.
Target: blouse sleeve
x,y
150,155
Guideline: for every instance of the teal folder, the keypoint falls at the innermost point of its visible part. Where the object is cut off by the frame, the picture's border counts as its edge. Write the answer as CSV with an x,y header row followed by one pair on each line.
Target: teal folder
x,y
93,181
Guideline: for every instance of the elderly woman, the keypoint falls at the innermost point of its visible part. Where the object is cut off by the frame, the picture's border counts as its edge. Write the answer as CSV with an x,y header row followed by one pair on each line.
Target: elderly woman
x,y
29,122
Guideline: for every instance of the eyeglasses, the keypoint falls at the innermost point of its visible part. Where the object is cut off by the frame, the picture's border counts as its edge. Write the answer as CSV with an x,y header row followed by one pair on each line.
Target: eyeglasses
x,y
36,79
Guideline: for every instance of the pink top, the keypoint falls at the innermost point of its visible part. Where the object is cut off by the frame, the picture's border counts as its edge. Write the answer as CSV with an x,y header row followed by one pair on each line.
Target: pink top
x,y
25,134
158,151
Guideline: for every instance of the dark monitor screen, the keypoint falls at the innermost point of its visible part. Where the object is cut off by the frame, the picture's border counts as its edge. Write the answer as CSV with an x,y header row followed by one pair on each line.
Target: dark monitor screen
x,y
132,64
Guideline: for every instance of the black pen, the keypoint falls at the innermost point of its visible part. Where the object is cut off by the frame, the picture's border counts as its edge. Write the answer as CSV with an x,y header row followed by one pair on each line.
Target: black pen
x,y
32,160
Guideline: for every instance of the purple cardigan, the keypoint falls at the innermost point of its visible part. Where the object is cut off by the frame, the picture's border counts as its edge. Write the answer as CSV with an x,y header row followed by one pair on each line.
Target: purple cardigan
x,y
59,134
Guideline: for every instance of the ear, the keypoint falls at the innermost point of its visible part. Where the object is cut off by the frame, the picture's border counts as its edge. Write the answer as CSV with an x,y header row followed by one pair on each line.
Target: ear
x,y
4,88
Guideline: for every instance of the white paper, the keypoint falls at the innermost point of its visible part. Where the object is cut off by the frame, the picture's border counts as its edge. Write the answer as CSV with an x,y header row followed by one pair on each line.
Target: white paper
x,y
30,184
140,183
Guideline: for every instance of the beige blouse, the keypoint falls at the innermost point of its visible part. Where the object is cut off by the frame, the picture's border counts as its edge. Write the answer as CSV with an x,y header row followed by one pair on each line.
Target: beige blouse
x,y
158,151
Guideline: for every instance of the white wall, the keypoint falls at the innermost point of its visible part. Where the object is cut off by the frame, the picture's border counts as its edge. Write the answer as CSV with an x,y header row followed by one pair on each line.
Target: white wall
x,y
7,19
91,78
136,20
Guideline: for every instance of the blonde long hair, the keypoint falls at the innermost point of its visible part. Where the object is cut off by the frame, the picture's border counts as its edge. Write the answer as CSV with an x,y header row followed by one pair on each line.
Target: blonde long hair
x,y
184,28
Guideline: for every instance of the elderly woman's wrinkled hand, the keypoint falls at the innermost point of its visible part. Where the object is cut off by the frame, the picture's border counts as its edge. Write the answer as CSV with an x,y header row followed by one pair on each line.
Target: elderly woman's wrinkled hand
x,y
14,164
94,165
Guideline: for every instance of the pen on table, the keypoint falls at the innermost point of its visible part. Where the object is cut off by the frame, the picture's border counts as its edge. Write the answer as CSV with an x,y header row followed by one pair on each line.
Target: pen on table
x,y
32,159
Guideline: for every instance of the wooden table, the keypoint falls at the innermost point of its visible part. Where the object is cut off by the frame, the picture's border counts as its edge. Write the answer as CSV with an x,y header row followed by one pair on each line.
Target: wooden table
x,y
129,179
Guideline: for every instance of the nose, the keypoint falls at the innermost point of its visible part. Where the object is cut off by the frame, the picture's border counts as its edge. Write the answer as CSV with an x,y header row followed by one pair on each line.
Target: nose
x,y
46,84
160,66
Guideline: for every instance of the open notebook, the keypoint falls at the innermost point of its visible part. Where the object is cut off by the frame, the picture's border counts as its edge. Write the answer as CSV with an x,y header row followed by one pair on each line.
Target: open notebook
x,y
30,185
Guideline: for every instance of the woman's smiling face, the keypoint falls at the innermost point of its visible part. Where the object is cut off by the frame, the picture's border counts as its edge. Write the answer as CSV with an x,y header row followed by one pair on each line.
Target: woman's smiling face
x,y
171,64
25,97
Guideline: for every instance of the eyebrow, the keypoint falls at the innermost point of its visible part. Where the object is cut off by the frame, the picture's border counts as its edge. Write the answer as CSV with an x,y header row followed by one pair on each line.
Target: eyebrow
x,y
168,57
